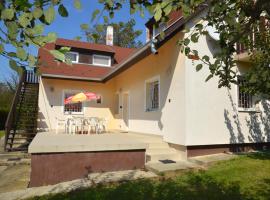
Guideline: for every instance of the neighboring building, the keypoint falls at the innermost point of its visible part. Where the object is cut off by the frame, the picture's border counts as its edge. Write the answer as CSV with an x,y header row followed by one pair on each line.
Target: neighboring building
x,y
159,94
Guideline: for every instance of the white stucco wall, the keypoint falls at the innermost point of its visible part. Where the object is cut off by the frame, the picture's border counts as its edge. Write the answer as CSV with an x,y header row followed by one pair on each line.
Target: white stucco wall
x,y
169,119
212,115
51,101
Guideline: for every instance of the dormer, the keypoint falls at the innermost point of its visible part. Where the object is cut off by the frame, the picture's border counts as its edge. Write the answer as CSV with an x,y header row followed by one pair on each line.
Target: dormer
x,y
90,57
153,29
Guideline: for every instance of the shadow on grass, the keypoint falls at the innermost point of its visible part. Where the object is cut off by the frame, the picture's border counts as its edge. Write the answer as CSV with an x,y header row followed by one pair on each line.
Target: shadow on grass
x,y
192,186
262,155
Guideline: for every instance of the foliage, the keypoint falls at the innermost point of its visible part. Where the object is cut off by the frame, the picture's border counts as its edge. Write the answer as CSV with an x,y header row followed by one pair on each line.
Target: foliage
x,y
124,34
2,133
6,94
22,26
234,179
235,20
23,23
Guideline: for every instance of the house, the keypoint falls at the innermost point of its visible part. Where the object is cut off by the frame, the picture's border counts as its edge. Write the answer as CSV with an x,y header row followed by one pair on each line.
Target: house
x,y
160,94
155,91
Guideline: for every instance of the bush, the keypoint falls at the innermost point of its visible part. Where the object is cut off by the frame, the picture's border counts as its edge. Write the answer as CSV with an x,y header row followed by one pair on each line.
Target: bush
x,y
3,117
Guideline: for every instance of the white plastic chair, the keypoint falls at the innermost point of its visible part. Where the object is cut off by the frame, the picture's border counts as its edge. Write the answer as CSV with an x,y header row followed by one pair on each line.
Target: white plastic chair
x,y
60,125
102,125
92,124
71,126
78,125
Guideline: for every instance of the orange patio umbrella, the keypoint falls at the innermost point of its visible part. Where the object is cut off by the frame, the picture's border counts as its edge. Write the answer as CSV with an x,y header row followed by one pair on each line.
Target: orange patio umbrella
x,y
80,97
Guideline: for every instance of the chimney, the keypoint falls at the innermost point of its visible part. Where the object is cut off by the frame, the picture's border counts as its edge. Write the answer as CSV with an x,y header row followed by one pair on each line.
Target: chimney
x,y
147,35
109,36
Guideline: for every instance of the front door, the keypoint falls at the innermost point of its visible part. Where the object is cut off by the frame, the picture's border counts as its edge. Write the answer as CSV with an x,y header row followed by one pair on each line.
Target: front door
x,y
126,111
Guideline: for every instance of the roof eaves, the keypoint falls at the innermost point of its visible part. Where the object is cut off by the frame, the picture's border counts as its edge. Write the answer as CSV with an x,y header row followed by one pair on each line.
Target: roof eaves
x,y
71,77
171,30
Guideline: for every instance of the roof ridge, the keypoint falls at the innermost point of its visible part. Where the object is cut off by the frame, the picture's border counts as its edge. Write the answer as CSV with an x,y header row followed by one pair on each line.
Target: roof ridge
x,y
90,43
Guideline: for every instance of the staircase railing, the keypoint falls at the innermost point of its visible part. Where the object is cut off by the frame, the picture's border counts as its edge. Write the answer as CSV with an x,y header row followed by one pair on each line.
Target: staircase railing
x,y
26,77
12,112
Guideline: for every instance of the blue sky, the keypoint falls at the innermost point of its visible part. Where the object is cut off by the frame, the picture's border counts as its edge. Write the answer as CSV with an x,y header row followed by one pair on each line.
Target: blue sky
x,y
70,27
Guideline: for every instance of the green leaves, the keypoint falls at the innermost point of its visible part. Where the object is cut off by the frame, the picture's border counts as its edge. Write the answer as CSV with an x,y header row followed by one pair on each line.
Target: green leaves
x,y
32,60
37,13
51,37
1,48
158,13
21,53
49,15
94,14
7,14
62,10
25,19
77,4
12,64
199,67
84,27
58,55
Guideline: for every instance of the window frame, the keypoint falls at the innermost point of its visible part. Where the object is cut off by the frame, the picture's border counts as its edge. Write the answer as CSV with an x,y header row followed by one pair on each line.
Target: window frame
x,y
242,109
101,99
151,80
102,56
77,56
63,104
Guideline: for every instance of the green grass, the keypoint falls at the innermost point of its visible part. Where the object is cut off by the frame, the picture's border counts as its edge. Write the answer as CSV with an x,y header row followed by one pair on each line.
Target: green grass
x,y
246,177
2,133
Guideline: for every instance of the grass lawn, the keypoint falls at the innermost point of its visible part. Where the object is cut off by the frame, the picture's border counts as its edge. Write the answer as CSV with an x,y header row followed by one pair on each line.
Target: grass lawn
x,y
246,177
2,133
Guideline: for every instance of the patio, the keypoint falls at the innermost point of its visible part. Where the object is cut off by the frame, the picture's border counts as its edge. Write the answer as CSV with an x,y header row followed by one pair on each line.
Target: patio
x,y
64,157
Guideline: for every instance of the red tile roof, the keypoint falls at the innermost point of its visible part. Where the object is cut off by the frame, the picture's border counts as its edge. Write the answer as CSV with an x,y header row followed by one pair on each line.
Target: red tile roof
x,y
48,65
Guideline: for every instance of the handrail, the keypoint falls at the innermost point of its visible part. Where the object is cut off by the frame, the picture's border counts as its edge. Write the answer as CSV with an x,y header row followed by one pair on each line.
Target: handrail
x,y
12,111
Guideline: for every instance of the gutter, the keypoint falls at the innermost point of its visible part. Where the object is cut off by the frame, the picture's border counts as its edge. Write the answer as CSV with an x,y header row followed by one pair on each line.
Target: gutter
x,y
70,77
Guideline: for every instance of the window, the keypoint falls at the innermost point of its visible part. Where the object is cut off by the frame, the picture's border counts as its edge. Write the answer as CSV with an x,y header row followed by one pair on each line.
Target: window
x,y
74,108
152,95
73,56
156,30
102,60
244,99
99,99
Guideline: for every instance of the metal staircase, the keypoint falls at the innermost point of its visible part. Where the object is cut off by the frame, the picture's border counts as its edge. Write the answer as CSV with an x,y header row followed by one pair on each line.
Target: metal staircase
x,y
21,124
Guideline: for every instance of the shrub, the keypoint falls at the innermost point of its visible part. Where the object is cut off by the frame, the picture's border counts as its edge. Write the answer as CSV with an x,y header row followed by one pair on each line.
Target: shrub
x,y
3,117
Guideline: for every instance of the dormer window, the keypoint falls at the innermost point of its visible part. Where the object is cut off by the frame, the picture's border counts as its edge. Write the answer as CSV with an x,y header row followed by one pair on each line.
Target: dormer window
x,y
156,30
101,60
73,56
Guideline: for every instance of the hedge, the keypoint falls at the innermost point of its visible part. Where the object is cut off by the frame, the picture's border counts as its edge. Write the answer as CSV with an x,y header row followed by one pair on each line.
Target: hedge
x,y
3,117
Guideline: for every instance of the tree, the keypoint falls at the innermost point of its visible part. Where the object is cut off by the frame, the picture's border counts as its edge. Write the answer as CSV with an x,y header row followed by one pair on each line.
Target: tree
x,y
22,25
124,34
235,20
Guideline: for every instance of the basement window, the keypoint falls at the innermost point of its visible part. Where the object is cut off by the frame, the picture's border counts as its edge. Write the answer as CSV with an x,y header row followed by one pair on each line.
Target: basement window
x,y
101,60
73,56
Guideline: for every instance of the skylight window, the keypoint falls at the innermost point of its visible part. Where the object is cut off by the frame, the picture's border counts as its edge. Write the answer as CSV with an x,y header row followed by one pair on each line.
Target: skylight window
x,y
102,60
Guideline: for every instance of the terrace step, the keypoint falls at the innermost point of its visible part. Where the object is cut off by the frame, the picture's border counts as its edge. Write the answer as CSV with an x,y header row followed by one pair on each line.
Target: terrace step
x,y
160,150
161,167
15,161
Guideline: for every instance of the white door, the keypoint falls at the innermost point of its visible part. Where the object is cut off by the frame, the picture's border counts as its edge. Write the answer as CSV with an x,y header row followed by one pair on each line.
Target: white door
x,y
126,111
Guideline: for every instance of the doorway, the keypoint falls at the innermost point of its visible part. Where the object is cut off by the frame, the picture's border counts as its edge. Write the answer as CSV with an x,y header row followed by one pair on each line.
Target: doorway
x,y
126,110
